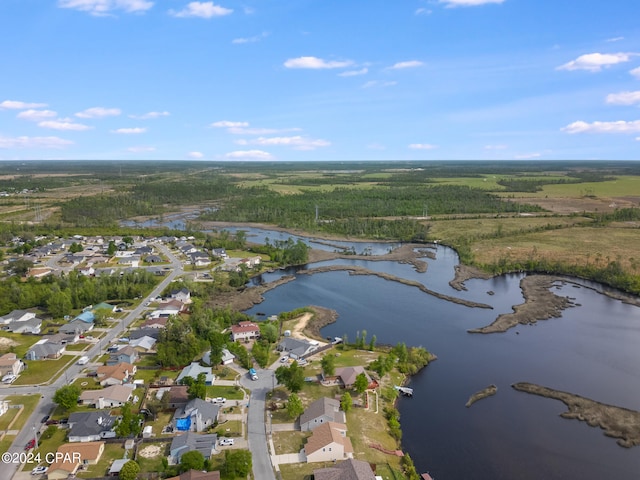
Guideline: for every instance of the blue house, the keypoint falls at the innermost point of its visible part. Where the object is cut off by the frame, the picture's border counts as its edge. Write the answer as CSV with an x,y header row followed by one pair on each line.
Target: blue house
x,y
86,317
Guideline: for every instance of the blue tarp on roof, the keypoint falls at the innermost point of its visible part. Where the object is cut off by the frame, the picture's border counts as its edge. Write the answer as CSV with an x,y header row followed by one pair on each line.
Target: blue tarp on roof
x,y
183,424
87,317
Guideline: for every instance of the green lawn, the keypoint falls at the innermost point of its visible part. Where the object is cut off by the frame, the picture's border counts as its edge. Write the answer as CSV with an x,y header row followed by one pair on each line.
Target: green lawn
x,y
147,375
148,361
163,418
112,451
289,442
6,442
154,464
77,347
49,445
228,392
7,418
23,342
29,402
301,471
232,428
43,371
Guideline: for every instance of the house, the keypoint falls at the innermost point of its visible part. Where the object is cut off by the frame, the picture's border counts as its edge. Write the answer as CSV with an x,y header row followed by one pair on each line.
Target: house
x,y
143,343
183,295
132,261
76,326
63,338
178,396
348,470
187,442
44,349
194,370
4,407
321,411
347,376
126,354
145,332
219,252
39,272
199,259
156,322
113,396
87,317
153,259
144,250
295,347
9,364
70,457
197,475
116,466
327,443
166,309
227,357
16,316
196,416
244,331
89,426
116,374
31,326
251,262
87,271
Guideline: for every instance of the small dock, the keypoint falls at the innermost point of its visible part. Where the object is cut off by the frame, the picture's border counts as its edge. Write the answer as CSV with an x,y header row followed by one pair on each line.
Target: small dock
x,y
426,476
406,391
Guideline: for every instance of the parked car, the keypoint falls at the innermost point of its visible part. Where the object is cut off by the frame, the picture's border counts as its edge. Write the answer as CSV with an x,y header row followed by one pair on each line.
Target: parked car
x,y
225,442
30,444
52,422
45,418
219,401
38,470
284,359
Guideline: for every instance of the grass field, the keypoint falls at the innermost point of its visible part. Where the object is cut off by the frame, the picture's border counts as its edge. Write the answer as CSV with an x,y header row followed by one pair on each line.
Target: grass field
x,y
21,343
42,371
29,402
228,392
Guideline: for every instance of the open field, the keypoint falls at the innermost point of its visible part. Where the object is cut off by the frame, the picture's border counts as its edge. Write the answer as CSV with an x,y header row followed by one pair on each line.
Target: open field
x,y
41,371
29,402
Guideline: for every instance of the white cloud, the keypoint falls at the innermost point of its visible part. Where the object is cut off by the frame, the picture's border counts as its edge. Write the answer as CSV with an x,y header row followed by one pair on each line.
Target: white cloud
x,y
202,10
527,156
130,131
620,126
63,124
196,155
635,72
99,112
624,98
104,7
257,38
141,149
468,3
16,105
423,11
354,73
407,64
422,146
229,124
150,115
249,154
260,131
594,62
297,142
614,39
36,115
316,63
495,147
33,142
377,83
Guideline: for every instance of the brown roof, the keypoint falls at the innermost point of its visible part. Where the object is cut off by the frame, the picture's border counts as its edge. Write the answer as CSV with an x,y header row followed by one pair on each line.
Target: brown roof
x,y
348,374
245,327
178,394
90,451
114,392
8,359
197,475
120,371
348,470
155,321
326,434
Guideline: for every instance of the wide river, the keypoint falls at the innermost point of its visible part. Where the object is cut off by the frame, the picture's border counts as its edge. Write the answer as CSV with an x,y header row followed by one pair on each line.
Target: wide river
x,y
593,351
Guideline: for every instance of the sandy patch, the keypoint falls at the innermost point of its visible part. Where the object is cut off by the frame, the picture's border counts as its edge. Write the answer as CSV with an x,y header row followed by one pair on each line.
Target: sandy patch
x,y
7,343
150,451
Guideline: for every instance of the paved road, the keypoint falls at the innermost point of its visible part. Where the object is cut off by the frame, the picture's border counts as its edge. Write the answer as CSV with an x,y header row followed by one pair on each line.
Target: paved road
x,y
256,428
46,405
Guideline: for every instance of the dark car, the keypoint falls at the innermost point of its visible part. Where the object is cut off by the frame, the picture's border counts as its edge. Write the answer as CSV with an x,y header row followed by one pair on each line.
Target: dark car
x,y
45,418
52,422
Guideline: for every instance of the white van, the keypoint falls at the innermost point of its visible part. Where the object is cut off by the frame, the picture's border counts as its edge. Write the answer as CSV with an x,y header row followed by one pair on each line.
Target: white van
x,y
9,378
83,360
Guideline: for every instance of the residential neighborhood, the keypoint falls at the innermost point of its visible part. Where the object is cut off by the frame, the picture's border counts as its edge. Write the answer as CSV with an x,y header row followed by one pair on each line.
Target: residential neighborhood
x,y
138,389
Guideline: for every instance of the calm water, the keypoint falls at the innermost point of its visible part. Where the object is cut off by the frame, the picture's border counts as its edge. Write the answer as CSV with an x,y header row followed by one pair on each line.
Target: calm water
x,y
590,351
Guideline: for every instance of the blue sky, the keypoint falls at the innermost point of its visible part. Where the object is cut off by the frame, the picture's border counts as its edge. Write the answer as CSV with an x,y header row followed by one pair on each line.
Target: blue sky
x,y
319,79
